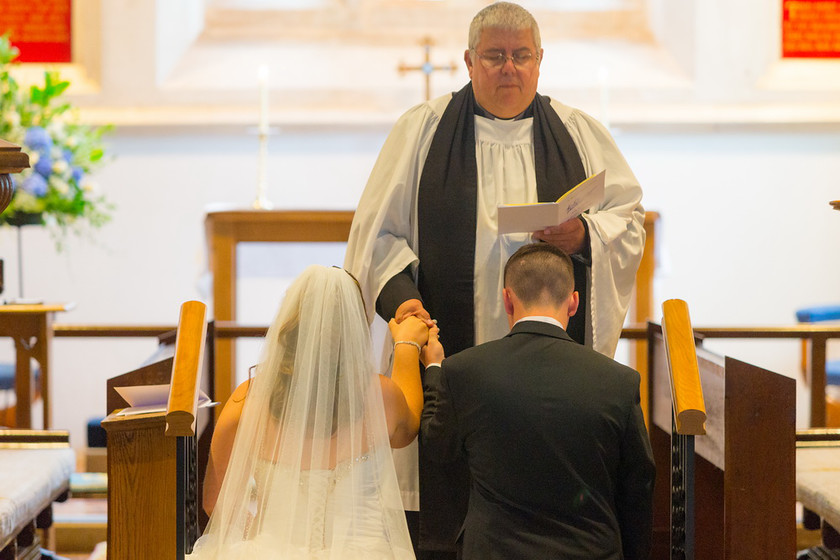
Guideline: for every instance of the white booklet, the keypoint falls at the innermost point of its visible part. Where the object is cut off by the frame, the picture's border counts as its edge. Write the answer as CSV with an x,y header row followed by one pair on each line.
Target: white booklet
x,y
143,399
520,218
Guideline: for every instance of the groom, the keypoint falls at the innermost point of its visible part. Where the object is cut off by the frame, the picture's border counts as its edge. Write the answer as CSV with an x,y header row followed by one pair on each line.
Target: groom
x,y
552,431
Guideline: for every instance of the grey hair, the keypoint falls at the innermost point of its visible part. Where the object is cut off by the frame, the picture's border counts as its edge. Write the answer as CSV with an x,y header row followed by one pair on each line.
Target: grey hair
x,y
503,15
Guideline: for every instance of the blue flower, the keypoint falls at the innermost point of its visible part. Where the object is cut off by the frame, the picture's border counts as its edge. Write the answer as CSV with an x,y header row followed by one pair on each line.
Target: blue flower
x,y
78,173
68,155
37,138
44,165
35,185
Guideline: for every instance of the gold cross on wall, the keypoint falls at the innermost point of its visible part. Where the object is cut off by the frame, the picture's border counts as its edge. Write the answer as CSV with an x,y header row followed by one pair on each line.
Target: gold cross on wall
x,y
427,67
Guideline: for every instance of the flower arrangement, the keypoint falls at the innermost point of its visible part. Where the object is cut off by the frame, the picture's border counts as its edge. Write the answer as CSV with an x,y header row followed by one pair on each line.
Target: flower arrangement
x,y
57,189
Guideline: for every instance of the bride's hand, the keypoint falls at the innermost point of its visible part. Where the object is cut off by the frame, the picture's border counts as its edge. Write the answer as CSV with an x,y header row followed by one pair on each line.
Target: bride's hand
x,y
411,328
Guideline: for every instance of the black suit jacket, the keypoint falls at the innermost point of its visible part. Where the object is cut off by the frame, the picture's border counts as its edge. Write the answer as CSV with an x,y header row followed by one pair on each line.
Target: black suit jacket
x,y
556,443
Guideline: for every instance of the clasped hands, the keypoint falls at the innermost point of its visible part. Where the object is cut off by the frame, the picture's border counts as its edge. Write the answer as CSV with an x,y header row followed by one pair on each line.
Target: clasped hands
x,y
413,323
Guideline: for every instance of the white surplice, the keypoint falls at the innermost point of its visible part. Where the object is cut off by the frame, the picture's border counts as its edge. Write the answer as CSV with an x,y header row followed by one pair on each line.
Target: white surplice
x,y
383,238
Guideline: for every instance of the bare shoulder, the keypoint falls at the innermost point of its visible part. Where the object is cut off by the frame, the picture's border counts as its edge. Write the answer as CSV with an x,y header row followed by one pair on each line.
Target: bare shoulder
x,y
241,391
232,409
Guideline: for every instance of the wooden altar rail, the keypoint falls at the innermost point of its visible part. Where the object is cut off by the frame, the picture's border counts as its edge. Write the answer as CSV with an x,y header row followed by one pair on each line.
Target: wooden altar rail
x,y
182,407
686,392
816,337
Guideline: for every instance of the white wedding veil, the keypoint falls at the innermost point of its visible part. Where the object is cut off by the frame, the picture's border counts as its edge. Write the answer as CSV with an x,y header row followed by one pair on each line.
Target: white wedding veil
x,y
311,473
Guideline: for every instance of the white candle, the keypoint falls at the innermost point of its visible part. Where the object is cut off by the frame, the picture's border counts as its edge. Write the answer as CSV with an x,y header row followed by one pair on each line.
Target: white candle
x,y
263,85
603,82
261,202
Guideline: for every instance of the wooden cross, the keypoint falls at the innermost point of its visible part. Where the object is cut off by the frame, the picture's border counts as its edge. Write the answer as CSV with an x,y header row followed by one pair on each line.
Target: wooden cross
x,y
427,67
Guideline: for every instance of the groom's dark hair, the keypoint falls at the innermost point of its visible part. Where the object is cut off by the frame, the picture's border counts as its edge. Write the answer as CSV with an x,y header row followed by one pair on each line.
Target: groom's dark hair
x,y
540,273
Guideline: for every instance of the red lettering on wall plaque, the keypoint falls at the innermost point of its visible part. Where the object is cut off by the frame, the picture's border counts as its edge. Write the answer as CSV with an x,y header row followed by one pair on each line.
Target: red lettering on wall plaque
x,y
811,28
40,29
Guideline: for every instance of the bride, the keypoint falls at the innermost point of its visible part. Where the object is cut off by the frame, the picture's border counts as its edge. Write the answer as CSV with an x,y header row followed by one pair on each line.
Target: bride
x,y
309,473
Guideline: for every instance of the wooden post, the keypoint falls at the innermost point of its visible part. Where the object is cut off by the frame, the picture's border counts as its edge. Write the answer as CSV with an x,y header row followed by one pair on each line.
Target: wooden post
x,y
816,374
643,305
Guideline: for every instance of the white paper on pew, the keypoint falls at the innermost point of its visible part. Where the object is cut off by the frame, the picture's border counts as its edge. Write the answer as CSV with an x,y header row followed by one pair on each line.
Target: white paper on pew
x,y
143,399
524,218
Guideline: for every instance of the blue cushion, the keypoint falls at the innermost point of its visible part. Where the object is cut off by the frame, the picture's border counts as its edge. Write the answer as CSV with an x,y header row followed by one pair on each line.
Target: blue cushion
x,y
832,372
96,433
818,313
7,376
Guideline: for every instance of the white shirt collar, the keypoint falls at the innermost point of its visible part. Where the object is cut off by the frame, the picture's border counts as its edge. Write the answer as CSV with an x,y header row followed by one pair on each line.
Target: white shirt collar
x,y
543,319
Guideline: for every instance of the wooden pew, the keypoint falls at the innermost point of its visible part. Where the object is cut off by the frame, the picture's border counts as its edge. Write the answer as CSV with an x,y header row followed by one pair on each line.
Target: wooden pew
x,y
154,502
745,464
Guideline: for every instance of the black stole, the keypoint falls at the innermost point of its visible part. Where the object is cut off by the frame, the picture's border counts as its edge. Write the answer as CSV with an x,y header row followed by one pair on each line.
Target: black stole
x,y
446,210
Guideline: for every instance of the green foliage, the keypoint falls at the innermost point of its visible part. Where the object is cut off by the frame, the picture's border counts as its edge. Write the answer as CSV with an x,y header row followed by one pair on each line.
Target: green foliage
x,y
57,190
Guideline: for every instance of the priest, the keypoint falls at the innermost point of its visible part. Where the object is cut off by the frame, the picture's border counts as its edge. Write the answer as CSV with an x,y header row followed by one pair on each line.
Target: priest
x,y
424,238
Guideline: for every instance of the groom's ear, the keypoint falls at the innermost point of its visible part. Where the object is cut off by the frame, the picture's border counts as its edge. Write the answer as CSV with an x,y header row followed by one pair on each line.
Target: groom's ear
x,y
507,298
574,303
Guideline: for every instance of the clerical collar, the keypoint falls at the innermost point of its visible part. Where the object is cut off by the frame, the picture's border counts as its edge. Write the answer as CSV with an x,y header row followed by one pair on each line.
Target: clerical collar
x,y
543,319
482,112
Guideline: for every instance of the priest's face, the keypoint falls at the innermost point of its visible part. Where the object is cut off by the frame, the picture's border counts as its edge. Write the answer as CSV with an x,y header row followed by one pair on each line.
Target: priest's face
x,y
504,69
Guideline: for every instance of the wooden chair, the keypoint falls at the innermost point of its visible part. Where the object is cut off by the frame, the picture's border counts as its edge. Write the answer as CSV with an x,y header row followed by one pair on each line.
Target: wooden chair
x,y
154,459
819,314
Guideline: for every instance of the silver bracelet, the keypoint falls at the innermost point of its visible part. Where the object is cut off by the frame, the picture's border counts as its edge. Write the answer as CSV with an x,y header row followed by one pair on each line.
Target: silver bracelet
x,y
408,342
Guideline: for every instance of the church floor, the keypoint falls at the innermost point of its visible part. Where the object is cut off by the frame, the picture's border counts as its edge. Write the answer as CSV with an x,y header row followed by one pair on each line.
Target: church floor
x,y
807,539
79,526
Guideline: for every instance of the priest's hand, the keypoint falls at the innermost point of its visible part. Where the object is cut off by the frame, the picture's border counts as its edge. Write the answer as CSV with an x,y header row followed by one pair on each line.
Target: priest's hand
x,y
413,307
569,236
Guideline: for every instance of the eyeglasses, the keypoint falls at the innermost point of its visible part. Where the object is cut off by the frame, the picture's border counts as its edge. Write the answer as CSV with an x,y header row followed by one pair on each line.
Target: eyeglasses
x,y
496,59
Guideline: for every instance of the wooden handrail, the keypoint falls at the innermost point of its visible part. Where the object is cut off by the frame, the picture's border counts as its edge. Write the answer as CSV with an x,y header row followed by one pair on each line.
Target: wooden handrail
x,y
182,407
110,331
818,437
26,439
232,329
686,392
